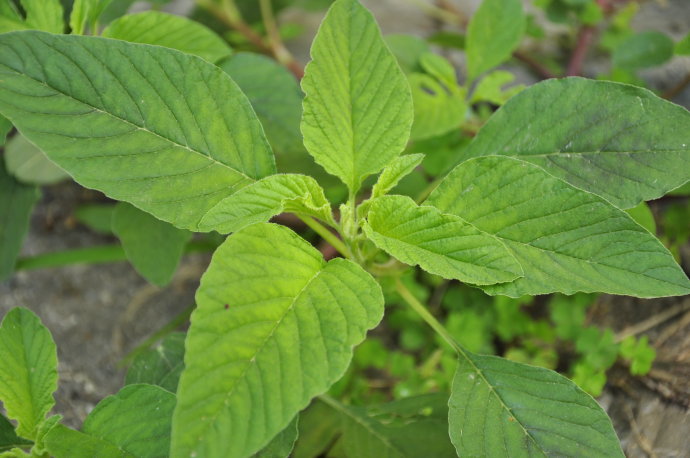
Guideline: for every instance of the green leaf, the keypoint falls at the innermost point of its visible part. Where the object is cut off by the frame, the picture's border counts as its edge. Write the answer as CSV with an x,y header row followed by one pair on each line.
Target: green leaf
x,y
682,48
28,370
319,427
642,50
136,419
500,408
489,89
154,247
398,169
358,108
44,15
275,95
640,354
8,436
29,164
5,128
493,34
97,217
86,13
282,444
441,244
259,202
176,32
16,202
166,131
617,141
161,365
407,49
439,103
565,239
63,442
274,326
643,216
395,429
10,19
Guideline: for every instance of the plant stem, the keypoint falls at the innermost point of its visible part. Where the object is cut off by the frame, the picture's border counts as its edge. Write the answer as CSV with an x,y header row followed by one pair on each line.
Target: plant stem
x,y
677,89
177,321
535,65
584,40
91,255
326,234
275,42
442,14
422,311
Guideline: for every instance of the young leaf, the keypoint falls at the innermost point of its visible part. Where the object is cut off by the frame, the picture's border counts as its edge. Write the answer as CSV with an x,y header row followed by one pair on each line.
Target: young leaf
x,y
275,326
282,444
439,102
8,436
154,247
645,49
565,239
259,202
275,96
493,34
28,370
502,408
10,19
161,365
176,32
398,169
441,244
358,108
63,442
86,13
165,131
617,141
44,15
16,202
29,164
136,420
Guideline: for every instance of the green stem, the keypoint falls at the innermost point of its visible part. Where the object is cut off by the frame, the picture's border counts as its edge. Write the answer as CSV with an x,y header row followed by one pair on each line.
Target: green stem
x,y
326,234
92,255
427,316
180,319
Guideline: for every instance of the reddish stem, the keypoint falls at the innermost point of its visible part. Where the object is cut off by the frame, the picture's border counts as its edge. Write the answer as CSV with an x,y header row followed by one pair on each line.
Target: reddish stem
x,y
584,41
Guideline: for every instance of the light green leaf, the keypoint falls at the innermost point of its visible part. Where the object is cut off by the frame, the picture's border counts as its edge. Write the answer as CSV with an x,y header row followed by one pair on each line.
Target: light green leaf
x,y
275,95
28,370
63,442
8,436
358,108
617,141
500,408
161,365
398,169
407,49
86,13
44,15
274,326
10,19
489,89
259,202
439,103
168,132
154,247
282,444
16,202
682,48
29,164
494,32
176,32
136,419
565,239
643,216
644,49
441,244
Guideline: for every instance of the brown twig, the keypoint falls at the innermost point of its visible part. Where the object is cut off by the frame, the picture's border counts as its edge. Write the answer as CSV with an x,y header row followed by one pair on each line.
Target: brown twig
x,y
535,65
584,41
653,321
677,89
275,42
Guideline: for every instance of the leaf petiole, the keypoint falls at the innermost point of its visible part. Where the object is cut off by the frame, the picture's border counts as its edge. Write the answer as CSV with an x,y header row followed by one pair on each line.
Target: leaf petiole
x,y
326,234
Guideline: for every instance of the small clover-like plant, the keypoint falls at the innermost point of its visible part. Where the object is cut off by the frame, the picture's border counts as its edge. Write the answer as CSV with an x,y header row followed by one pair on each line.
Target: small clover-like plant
x,y
535,205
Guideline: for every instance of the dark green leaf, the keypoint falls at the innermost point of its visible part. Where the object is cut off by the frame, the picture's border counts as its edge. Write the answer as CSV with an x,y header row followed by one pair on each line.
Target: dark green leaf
x,y
161,365
645,49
